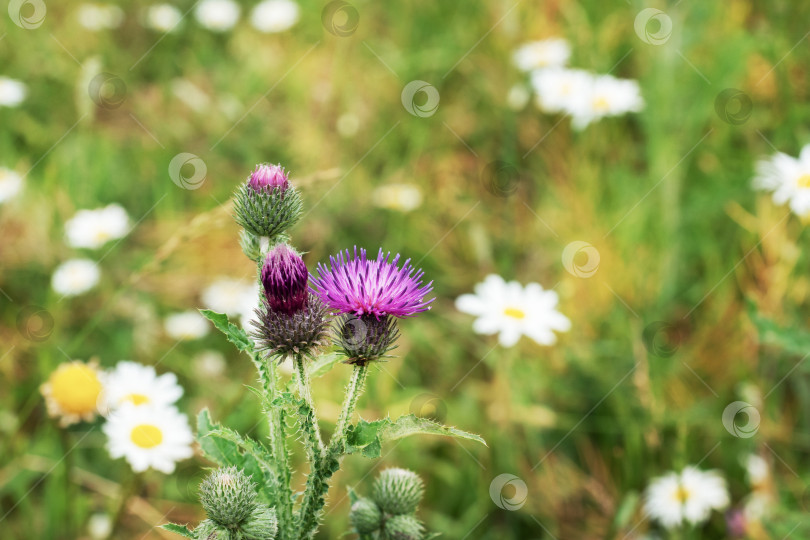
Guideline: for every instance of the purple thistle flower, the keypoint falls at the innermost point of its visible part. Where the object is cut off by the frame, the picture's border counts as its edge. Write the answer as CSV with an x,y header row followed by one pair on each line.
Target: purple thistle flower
x,y
268,177
371,287
284,277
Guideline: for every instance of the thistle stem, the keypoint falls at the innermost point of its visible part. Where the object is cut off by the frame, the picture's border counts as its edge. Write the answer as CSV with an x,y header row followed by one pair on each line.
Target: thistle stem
x,y
318,482
309,420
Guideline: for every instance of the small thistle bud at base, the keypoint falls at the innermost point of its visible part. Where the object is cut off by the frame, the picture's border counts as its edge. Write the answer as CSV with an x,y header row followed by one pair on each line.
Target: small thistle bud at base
x,y
228,496
366,338
365,516
403,527
262,524
398,491
210,530
251,245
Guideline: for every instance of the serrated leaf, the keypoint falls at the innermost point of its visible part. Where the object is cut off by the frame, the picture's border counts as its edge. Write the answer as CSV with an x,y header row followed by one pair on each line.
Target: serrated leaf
x,y
182,530
235,335
321,365
223,451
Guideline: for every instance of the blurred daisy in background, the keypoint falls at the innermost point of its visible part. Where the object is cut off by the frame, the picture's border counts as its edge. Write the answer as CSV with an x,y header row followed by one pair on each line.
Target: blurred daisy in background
x,y
557,88
517,97
512,310
762,497
553,52
12,92
687,497
75,277
131,382
231,297
10,184
149,437
209,364
98,17
217,15
605,96
402,197
186,325
788,178
93,228
163,17
273,16
72,391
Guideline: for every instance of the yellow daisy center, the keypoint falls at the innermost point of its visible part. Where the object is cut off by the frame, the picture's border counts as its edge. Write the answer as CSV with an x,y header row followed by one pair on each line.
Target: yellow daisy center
x,y
514,313
804,181
682,494
146,435
601,103
102,236
75,388
136,399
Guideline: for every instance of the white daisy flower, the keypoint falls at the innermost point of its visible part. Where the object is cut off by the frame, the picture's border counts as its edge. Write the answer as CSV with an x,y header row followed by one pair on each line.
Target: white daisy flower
x,y
513,310
402,197
231,297
605,96
186,325
209,364
273,16
217,15
74,277
788,178
131,382
97,17
12,92
149,437
93,228
557,89
688,497
541,54
10,184
163,17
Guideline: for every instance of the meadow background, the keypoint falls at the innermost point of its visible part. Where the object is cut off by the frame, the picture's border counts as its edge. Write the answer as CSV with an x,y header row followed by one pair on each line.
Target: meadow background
x,y
699,299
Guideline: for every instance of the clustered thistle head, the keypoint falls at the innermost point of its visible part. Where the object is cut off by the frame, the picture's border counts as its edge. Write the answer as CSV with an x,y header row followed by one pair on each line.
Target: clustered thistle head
x,y
229,498
266,205
390,511
367,338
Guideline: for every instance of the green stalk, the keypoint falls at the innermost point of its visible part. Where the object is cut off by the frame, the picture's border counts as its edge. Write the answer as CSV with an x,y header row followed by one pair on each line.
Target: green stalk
x,y
318,481
309,420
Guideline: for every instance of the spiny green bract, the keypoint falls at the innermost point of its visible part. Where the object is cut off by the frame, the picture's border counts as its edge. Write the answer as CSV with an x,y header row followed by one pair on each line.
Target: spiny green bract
x,y
262,524
398,491
228,496
404,527
365,516
268,212
210,530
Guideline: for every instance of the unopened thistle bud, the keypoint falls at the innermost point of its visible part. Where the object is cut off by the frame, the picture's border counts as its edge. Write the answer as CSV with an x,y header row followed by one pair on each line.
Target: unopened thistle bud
x,y
262,524
211,530
284,278
403,527
398,491
283,335
365,516
228,496
267,204
366,338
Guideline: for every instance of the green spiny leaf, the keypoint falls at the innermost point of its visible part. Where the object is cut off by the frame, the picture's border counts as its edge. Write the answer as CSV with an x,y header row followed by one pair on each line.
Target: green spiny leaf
x,y
182,530
235,335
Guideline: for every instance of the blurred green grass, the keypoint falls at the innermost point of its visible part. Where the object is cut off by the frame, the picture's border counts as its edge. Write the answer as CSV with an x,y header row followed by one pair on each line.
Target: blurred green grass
x,y
697,246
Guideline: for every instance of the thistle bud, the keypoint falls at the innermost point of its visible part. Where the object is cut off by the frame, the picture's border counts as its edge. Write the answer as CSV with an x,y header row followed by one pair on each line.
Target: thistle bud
x,y
398,491
283,335
228,496
403,527
210,530
269,177
284,277
366,338
267,204
262,524
365,516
